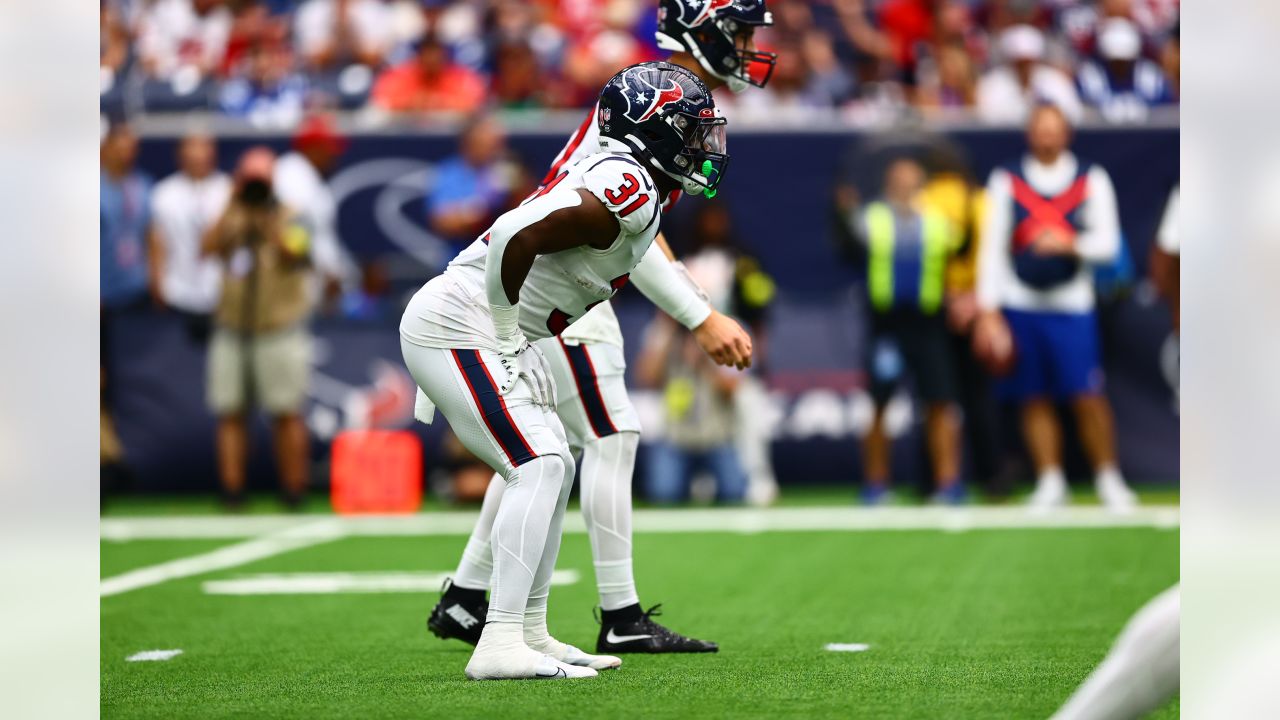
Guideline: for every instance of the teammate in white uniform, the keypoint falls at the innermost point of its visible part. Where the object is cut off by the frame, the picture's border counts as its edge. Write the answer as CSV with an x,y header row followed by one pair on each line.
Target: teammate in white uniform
x,y
465,335
713,40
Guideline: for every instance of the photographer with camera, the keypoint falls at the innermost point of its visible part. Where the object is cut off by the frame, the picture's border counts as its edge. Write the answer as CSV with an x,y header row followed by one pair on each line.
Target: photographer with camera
x,y
259,352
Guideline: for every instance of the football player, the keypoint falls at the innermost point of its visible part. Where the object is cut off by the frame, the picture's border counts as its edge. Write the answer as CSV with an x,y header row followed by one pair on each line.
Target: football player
x,y
713,39
466,335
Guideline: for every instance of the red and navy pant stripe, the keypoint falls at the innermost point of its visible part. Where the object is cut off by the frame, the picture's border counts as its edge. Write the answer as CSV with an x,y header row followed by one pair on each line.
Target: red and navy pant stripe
x,y
584,375
493,408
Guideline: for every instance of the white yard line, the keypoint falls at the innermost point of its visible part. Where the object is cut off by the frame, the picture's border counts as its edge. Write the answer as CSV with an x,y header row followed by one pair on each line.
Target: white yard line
x,y
346,582
265,546
736,520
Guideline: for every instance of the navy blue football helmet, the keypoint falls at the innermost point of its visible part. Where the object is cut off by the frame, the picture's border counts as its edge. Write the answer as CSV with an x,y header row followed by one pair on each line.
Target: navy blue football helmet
x,y
665,116
716,32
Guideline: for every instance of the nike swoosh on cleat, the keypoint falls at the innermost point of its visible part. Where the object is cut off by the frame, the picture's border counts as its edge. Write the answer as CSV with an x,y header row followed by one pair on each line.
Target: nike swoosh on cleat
x,y
558,673
624,638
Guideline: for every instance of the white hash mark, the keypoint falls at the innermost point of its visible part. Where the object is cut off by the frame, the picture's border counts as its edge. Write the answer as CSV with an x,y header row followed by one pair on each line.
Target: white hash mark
x,y
846,647
153,655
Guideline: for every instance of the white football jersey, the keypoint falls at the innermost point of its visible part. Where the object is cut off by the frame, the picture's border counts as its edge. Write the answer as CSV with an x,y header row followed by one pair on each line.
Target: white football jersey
x,y
452,309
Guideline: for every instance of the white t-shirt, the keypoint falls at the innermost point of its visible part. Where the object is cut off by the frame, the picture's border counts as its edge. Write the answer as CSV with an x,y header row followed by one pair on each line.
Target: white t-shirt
x,y
451,311
1169,239
1097,242
171,35
315,24
301,188
1002,100
182,209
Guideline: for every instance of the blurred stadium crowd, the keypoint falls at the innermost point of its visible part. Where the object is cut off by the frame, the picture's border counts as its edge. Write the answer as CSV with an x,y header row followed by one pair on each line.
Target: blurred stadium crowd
x,y
271,61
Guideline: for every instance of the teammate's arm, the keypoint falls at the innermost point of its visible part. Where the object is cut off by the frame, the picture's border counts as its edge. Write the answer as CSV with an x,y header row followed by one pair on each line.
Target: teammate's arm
x,y
668,285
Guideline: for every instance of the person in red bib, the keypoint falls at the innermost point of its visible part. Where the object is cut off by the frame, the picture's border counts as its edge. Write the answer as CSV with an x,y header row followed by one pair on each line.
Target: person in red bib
x,y
1052,218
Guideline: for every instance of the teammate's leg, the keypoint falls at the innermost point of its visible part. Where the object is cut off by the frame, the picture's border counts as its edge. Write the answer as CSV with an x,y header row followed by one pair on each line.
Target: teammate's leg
x,y
463,604
599,417
607,466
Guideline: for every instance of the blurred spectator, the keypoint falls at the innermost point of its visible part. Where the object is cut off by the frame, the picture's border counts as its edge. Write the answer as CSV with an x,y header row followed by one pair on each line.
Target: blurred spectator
x,y
829,83
1166,260
518,82
265,89
124,222
429,81
301,183
951,191
184,206
908,25
188,36
906,247
948,81
736,285
113,40
1122,84
1171,63
252,25
1008,92
602,46
259,355
331,33
471,189
1051,218
698,398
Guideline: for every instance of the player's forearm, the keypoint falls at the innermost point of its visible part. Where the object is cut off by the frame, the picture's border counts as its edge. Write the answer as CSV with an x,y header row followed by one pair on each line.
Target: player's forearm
x,y
670,289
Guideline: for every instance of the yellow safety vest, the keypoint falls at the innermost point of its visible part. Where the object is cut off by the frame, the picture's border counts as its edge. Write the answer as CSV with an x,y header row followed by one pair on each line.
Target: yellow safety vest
x,y
882,236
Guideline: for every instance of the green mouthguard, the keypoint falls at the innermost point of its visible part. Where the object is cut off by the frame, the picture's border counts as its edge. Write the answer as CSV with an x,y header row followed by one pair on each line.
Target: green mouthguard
x,y
706,172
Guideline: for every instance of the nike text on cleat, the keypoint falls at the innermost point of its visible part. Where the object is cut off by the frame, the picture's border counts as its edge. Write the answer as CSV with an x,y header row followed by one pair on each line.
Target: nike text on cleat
x,y
645,635
453,618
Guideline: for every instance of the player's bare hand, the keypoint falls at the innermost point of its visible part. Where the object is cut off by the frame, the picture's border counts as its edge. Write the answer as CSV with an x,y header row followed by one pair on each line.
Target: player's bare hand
x,y
724,340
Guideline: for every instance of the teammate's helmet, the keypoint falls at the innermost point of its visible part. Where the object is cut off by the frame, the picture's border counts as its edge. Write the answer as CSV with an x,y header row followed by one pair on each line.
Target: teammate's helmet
x,y
710,30
665,116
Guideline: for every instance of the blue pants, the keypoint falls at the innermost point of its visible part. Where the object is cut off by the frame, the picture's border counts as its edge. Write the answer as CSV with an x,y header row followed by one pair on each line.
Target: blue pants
x,y
1056,355
669,470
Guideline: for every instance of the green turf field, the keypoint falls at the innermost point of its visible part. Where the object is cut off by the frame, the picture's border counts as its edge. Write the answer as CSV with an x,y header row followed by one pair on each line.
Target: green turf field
x,y
983,623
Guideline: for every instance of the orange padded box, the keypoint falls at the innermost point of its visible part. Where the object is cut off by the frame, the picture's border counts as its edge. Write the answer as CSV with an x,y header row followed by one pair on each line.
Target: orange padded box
x,y
375,471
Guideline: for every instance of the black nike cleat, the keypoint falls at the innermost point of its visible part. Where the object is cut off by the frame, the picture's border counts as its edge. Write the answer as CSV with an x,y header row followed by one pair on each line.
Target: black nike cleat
x,y
459,614
630,631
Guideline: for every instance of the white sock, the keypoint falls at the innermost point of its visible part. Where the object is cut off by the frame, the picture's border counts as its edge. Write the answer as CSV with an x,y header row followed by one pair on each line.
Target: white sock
x,y
1109,474
1051,477
1139,673
607,467
521,531
475,569
501,636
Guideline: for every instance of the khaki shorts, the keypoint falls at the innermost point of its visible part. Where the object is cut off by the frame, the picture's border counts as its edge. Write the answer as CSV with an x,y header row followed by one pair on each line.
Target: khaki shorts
x,y
279,372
